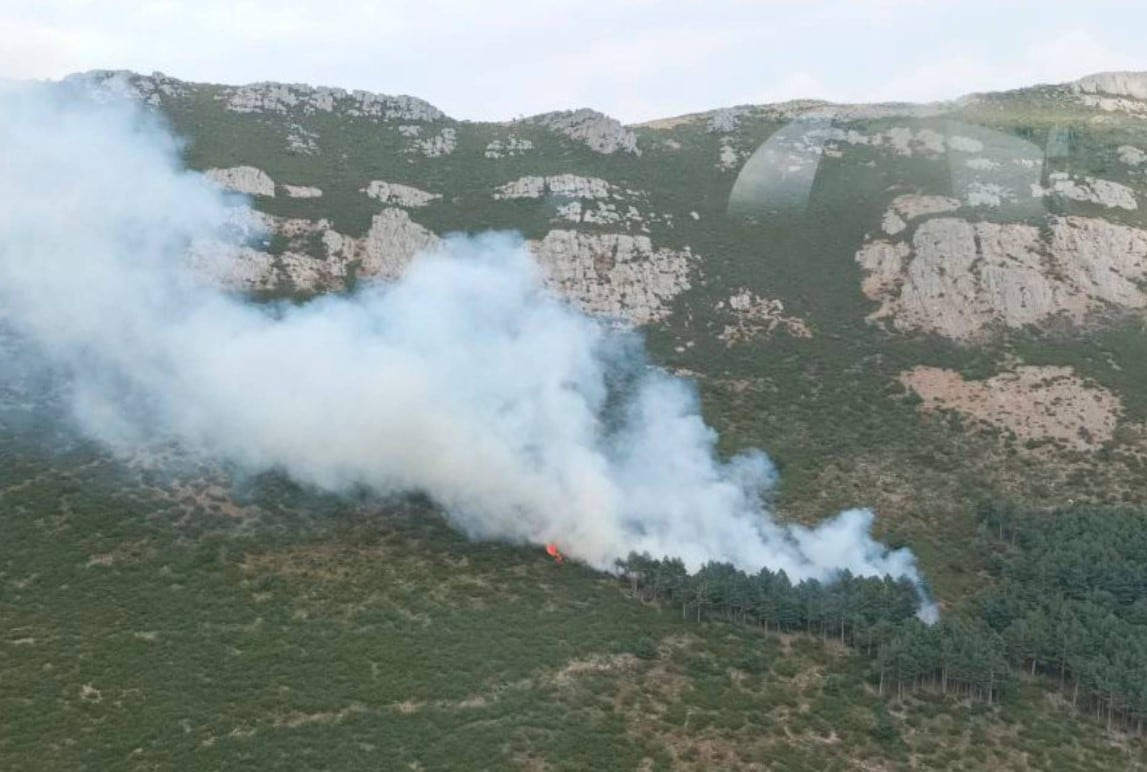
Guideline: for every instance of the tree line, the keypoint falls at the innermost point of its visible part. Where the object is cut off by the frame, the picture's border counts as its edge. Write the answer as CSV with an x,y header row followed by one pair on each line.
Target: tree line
x,y
1069,602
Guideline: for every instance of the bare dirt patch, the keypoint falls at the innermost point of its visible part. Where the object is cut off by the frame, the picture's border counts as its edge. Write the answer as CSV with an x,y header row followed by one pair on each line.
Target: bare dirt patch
x,y
1036,404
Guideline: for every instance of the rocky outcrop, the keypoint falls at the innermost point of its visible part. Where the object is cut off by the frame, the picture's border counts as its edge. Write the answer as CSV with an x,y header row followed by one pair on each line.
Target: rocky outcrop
x,y
241,269
316,257
593,129
396,194
727,156
726,120
285,98
904,141
1035,404
753,316
958,279
440,144
1125,84
508,148
121,84
301,141
987,194
561,185
280,98
588,200
1131,155
600,213
1111,104
614,275
1090,189
302,191
391,243
243,179
908,207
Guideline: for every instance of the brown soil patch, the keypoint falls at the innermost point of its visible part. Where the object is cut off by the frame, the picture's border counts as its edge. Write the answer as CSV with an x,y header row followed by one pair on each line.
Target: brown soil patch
x,y
1036,404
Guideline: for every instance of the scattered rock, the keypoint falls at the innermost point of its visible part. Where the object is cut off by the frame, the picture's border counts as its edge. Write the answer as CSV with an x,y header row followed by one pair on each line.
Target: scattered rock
x,y
399,195
1036,404
728,158
597,131
508,148
906,142
243,179
600,213
301,141
756,316
986,194
442,143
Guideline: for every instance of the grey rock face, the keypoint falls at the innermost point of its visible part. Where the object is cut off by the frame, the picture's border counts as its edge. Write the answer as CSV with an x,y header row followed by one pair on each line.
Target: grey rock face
x,y
597,131
614,274
243,179
399,195
1127,84
958,278
286,97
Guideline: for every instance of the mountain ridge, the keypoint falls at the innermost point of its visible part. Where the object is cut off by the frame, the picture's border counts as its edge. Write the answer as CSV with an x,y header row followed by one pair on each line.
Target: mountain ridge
x,y
1125,83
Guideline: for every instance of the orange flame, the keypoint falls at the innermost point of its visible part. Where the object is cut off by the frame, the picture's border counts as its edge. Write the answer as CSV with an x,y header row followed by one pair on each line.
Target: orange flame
x,y
553,551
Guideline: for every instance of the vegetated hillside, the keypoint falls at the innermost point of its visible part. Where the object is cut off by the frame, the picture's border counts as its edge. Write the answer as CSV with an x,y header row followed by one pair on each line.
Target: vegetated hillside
x,y
908,307
913,308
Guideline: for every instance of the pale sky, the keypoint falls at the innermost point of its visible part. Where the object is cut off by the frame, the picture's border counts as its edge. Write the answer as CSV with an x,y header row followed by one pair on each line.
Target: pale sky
x,y
633,59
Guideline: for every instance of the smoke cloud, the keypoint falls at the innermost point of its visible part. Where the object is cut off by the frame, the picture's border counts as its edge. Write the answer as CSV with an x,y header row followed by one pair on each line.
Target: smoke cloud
x,y
466,380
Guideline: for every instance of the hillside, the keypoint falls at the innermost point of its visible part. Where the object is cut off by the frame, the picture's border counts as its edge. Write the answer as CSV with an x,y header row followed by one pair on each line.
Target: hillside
x,y
848,284
912,308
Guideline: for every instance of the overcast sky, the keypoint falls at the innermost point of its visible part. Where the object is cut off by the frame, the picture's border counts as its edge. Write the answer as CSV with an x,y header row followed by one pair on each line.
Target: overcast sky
x,y
634,59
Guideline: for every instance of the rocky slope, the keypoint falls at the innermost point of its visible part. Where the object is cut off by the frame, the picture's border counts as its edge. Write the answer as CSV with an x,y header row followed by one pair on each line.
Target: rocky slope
x,y
798,259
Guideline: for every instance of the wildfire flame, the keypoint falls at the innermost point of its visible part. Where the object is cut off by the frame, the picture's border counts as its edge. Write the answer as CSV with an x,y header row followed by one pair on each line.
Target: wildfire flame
x,y
553,551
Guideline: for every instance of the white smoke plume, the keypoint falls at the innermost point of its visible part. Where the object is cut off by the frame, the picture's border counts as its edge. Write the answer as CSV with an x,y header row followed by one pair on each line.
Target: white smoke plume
x,y
466,380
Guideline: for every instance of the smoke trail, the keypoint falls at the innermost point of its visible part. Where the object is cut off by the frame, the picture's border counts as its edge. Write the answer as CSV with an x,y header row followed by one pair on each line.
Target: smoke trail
x,y
466,380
